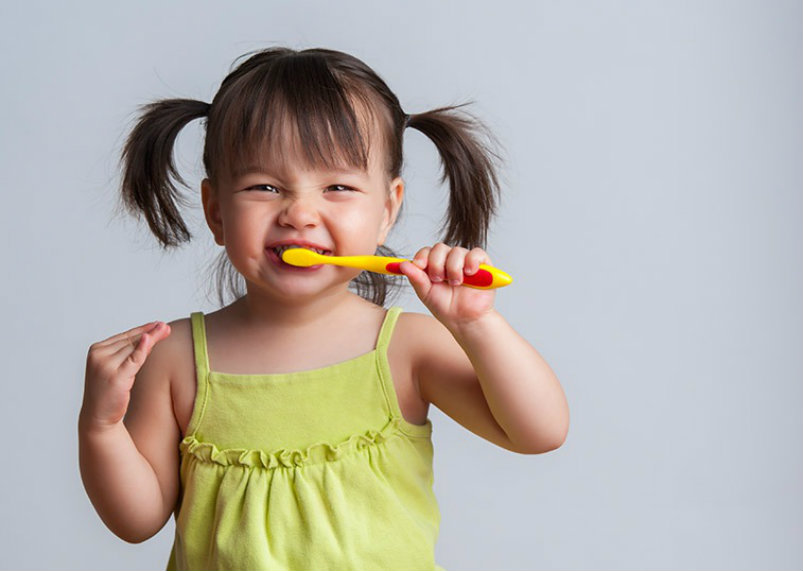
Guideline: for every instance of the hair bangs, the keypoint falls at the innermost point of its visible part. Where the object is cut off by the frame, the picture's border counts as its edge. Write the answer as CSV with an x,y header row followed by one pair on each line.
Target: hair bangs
x,y
295,111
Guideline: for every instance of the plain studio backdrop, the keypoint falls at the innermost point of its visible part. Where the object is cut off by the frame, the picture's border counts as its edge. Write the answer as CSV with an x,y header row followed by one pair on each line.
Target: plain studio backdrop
x,y
651,220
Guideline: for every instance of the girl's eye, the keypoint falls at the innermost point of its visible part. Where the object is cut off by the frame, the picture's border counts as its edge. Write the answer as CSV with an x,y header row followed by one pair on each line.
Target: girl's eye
x,y
263,187
339,188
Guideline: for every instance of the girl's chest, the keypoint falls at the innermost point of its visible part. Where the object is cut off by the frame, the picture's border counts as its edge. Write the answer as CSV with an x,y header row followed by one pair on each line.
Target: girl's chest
x,y
184,390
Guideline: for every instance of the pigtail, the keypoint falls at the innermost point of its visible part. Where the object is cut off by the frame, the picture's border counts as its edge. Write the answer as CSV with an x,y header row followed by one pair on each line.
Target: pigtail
x,y
149,171
469,165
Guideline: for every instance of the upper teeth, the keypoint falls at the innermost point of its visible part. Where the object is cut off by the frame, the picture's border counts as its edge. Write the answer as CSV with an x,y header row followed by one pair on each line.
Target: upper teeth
x,y
280,249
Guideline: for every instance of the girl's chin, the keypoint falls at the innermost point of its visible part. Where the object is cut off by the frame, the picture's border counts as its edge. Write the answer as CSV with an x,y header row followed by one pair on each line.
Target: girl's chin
x,y
302,283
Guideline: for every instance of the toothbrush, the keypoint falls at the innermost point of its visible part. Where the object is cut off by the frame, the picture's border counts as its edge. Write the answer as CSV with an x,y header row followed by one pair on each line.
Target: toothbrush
x,y
487,277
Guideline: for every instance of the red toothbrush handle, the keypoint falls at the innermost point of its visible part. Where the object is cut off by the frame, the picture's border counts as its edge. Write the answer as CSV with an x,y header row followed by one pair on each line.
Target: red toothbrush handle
x,y
481,279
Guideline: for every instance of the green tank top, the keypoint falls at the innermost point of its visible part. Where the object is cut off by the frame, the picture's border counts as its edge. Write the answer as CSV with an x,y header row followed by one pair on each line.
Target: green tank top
x,y
310,470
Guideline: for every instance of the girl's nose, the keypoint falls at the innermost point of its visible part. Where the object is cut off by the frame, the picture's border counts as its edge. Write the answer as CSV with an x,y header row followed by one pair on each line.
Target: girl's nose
x,y
299,213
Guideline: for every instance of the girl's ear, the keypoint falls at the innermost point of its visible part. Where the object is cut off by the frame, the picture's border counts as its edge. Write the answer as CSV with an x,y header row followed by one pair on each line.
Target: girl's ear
x,y
392,207
212,210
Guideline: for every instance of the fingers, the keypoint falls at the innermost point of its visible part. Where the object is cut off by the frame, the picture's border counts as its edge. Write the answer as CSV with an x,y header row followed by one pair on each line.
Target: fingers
x,y
421,257
474,258
136,348
111,353
444,263
127,336
418,278
111,369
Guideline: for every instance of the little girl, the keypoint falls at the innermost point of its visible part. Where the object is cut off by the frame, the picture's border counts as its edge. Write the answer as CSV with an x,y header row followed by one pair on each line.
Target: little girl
x,y
289,429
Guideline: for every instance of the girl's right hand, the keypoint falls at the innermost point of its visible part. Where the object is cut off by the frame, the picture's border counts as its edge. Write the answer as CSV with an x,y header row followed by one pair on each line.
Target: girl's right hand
x,y
111,367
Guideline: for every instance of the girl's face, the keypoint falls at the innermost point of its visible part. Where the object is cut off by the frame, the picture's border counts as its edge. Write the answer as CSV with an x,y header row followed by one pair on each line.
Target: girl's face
x,y
258,212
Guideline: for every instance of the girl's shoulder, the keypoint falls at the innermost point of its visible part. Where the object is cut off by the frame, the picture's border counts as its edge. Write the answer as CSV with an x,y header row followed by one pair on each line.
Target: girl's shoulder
x,y
410,322
417,330
178,346
175,358
174,353
420,339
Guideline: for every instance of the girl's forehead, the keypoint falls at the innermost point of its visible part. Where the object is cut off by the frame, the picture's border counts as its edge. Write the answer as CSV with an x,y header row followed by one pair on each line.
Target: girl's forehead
x,y
286,155
282,160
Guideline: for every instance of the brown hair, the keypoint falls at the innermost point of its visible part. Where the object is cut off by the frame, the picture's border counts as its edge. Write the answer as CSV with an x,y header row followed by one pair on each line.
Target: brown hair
x,y
330,99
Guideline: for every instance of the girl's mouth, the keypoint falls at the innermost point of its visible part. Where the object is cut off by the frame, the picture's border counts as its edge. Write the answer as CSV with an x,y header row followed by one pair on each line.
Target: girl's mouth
x,y
280,249
275,255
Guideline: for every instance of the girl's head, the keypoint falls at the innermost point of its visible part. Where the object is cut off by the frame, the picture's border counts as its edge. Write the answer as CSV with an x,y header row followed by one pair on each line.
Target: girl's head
x,y
305,111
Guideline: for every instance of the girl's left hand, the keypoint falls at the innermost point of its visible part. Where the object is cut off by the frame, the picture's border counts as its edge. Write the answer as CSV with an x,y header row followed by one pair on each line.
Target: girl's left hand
x,y
436,275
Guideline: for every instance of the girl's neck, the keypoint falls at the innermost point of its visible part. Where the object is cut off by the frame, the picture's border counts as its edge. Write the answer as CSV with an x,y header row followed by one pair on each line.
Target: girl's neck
x,y
259,311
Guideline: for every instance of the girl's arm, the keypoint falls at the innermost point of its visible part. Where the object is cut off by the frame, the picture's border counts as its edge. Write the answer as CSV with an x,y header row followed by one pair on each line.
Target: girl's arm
x,y
474,366
130,468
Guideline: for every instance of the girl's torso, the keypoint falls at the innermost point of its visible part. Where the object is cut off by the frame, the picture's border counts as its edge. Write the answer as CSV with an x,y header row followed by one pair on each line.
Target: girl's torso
x,y
227,354
291,448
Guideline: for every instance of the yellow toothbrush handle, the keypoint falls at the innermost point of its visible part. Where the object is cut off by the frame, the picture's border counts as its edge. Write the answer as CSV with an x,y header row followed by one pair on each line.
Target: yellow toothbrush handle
x,y
487,277
376,264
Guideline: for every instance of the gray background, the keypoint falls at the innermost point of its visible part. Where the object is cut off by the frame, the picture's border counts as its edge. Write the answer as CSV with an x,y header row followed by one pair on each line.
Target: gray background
x,y
652,220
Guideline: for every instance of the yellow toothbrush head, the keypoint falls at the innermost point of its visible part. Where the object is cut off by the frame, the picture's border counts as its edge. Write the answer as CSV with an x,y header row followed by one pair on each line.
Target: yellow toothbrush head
x,y
301,257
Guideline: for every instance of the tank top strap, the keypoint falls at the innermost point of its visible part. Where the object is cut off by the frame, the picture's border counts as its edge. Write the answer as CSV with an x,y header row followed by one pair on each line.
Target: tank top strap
x,y
386,331
199,344
201,370
386,378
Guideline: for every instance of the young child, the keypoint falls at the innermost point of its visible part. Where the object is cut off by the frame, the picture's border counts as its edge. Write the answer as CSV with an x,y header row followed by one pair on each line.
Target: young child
x,y
289,430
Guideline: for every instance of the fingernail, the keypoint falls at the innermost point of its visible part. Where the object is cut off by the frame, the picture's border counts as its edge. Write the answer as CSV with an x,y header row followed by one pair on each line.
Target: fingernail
x,y
454,282
436,279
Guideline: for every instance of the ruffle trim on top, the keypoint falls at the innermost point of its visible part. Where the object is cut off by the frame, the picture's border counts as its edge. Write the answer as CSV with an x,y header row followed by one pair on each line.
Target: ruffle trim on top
x,y
314,454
